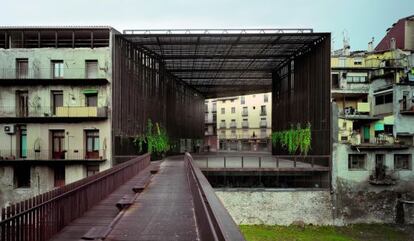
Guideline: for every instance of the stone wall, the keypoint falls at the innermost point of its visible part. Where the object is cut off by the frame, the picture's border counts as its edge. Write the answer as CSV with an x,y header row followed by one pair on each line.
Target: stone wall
x,y
277,207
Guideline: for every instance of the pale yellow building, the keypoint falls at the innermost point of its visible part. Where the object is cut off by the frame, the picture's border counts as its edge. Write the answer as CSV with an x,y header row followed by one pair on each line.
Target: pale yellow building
x,y
244,122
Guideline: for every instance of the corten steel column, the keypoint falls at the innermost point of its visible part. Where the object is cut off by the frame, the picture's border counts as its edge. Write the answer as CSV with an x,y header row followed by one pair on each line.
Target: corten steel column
x,y
301,94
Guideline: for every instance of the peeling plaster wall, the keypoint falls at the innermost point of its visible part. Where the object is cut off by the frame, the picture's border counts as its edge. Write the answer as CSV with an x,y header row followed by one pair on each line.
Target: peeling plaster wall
x,y
277,207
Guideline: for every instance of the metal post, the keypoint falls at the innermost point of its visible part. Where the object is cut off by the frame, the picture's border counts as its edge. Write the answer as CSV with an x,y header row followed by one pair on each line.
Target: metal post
x,y
260,162
242,162
294,161
225,162
312,161
207,162
277,162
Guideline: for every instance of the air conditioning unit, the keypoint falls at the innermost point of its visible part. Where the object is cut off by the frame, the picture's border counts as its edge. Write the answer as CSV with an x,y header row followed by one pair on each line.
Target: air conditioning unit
x,y
9,129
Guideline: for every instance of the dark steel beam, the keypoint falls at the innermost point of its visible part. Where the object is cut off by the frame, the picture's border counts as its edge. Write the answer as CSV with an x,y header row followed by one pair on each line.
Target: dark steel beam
x,y
246,57
280,42
221,70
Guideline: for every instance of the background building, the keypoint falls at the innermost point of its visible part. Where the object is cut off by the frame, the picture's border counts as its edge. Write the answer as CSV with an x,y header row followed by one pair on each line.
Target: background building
x,y
244,122
373,139
210,120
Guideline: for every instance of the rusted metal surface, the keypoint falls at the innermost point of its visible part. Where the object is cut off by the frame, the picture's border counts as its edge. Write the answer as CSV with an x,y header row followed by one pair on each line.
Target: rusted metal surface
x,y
142,90
43,216
163,211
213,220
301,92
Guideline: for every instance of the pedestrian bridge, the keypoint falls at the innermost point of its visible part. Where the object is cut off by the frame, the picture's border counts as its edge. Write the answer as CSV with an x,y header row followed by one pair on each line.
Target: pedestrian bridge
x,y
136,200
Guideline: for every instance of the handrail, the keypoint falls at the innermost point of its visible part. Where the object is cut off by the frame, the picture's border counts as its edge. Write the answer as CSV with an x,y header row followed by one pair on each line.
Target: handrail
x,y
42,216
213,220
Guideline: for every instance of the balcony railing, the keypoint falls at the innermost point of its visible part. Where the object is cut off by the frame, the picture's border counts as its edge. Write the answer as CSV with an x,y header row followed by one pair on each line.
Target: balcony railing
x,y
263,124
245,124
50,73
47,154
245,113
47,111
233,125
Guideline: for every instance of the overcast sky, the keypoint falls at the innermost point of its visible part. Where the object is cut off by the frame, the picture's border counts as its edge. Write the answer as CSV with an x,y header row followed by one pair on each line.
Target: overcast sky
x,y
361,19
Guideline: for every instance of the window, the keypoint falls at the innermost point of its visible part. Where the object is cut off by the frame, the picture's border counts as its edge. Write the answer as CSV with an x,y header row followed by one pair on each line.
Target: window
x,y
91,99
59,172
356,161
358,61
402,161
383,99
265,98
263,110
92,170
245,112
233,110
21,175
22,68
57,69
57,100
91,69
242,100
92,144
263,133
356,79
223,111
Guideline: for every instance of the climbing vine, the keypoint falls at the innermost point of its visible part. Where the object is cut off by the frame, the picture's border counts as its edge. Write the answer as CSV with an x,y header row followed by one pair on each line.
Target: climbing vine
x,y
155,139
294,139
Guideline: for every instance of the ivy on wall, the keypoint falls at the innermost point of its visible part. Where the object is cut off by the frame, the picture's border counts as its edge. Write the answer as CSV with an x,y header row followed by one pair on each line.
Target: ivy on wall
x,y
295,139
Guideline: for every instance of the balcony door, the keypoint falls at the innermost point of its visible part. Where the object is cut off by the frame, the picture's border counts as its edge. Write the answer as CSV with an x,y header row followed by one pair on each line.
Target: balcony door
x,y
59,176
92,144
57,100
58,144
22,103
22,141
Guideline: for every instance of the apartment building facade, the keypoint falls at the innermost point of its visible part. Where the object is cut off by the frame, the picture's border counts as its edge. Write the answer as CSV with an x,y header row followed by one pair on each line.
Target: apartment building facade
x,y
55,127
72,100
244,122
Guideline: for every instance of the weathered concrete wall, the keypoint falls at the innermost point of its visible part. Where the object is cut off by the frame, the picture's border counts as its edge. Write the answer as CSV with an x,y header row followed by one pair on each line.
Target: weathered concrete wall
x,y
42,180
277,207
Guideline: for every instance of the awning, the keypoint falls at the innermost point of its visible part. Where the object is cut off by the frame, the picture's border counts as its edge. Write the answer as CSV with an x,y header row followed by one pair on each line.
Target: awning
x,y
89,91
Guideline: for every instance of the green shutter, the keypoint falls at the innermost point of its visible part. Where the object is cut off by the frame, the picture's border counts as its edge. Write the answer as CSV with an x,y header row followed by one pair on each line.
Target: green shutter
x,y
89,92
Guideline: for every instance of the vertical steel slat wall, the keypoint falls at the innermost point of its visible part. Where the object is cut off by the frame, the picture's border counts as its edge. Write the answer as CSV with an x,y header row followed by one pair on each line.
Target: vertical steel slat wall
x,y
143,89
301,91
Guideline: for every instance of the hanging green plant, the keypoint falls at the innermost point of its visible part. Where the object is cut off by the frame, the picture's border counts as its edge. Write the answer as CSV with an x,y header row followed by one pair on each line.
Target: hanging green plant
x,y
294,140
156,139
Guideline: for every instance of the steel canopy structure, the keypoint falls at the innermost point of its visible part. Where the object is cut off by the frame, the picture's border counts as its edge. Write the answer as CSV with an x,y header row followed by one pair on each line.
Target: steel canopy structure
x,y
225,62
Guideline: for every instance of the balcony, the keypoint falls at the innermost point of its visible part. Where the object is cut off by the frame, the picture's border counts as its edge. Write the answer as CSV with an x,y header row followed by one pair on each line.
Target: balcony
x,y
362,112
406,107
263,124
44,155
245,113
245,124
381,142
47,76
41,114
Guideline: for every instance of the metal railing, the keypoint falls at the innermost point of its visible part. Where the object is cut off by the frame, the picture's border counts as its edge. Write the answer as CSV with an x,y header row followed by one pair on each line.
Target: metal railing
x,y
48,154
50,73
263,162
213,220
41,217
49,111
